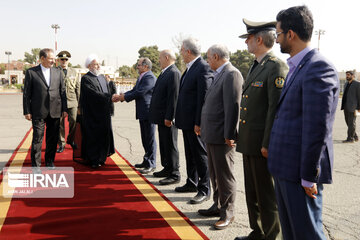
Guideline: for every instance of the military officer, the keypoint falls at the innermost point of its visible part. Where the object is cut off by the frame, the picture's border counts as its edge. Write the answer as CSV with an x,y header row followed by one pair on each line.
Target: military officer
x,y
72,85
261,92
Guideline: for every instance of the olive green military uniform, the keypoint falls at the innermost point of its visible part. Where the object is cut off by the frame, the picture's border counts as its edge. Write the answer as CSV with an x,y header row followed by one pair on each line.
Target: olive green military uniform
x,y
261,92
72,85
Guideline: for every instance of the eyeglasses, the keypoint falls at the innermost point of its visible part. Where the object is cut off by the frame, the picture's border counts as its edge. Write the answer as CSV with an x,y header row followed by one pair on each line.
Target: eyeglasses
x,y
279,33
64,59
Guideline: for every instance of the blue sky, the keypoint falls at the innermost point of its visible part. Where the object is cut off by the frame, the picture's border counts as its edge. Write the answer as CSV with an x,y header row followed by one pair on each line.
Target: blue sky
x,y
116,30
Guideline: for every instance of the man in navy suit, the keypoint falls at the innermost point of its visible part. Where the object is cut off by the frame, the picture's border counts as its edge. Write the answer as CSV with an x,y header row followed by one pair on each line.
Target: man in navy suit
x,y
142,93
301,150
193,85
162,113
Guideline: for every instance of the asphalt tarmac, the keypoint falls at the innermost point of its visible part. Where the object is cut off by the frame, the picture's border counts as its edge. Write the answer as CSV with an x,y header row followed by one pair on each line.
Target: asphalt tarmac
x,y
341,213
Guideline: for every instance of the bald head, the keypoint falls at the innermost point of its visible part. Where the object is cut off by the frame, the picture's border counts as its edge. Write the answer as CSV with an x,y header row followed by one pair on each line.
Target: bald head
x,y
167,57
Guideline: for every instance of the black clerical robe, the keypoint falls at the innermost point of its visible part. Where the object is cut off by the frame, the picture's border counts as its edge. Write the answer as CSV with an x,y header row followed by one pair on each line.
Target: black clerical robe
x,y
95,102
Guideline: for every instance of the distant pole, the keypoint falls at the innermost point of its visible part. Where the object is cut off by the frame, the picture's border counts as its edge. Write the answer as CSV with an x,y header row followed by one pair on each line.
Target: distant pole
x,y
319,33
56,27
8,53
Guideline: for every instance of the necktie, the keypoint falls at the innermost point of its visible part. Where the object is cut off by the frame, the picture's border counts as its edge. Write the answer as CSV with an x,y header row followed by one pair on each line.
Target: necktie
x,y
65,71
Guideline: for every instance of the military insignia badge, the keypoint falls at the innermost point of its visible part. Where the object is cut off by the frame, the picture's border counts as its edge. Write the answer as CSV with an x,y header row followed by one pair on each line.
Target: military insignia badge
x,y
257,84
279,82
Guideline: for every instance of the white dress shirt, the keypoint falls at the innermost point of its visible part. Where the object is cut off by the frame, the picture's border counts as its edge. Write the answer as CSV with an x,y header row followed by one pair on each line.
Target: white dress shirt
x,y
46,73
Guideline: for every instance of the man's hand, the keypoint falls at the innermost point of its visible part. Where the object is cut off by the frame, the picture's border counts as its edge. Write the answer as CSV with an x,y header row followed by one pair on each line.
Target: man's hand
x,y
115,98
311,191
168,123
230,142
122,97
264,152
28,117
197,130
64,114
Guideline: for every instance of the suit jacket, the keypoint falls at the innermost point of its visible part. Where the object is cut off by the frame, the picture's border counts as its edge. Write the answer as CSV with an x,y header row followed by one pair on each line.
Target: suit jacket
x,y
352,102
39,99
165,95
220,112
72,86
301,144
261,93
193,85
141,93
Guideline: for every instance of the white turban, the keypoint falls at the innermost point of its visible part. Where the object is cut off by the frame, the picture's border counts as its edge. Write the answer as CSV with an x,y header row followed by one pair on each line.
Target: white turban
x,y
91,58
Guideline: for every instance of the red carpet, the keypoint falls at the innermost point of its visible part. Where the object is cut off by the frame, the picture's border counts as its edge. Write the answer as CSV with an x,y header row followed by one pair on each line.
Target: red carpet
x,y
114,202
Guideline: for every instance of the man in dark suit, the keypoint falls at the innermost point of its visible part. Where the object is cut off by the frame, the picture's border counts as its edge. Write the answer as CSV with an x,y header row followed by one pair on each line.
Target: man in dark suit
x,y
162,113
141,93
260,95
300,156
219,118
350,103
44,101
193,85
96,100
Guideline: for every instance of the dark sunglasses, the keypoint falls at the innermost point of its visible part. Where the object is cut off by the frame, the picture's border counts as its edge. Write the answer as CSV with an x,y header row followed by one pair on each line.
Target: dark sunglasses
x,y
64,59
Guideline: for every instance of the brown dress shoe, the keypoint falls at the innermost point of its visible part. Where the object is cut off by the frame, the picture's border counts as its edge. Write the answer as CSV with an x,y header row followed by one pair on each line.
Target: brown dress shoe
x,y
222,224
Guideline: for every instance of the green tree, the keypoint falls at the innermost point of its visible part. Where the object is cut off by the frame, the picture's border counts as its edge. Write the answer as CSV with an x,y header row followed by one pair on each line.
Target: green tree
x,y
180,63
151,52
32,57
76,66
242,60
126,71
2,68
26,67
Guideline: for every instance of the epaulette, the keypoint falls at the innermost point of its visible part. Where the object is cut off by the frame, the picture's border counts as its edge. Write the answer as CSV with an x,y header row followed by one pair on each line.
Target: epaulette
x,y
274,59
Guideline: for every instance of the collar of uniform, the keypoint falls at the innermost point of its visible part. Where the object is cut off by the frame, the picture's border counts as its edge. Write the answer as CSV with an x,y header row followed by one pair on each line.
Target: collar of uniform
x,y
258,59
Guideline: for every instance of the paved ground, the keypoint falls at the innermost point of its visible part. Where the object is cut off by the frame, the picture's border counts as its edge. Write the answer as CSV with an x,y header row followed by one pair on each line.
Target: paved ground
x,y
341,199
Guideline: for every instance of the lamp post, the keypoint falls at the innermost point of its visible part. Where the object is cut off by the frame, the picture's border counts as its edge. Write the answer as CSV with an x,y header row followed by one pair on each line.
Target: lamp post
x,y
8,53
56,27
319,33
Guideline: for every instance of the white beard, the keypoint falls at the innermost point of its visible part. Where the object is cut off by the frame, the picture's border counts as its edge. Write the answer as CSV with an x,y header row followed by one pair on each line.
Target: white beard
x,y
95,72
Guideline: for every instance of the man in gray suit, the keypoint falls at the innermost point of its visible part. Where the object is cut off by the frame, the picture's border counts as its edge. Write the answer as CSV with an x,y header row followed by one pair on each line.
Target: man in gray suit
x,y
219,118
350,103
44,101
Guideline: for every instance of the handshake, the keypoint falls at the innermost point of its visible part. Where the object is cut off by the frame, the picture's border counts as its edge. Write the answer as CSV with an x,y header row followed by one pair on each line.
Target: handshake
x,y
118,97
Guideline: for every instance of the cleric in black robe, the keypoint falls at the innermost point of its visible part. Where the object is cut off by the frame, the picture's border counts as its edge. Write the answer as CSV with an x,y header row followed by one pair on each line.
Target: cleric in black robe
x,y
96,102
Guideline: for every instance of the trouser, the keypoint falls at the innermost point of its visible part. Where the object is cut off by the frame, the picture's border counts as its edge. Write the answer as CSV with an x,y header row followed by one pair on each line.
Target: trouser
x,y
52,135
221,169
72,113
350,120
260,199
149,143
196,162
169,152
300,215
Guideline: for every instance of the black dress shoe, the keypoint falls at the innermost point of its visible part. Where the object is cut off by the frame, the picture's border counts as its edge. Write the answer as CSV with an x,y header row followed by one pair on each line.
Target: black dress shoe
x,y
242,238
60,149
185,188
169,180
147,170
162,174
95,165
199,198
140,165
50,166
348,141
211,212
73,145
222,224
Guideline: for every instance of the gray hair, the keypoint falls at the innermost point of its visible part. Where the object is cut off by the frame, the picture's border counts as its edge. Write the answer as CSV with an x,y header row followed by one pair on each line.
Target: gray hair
x,y
146,62
268,38
193,45
169,53
220,50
